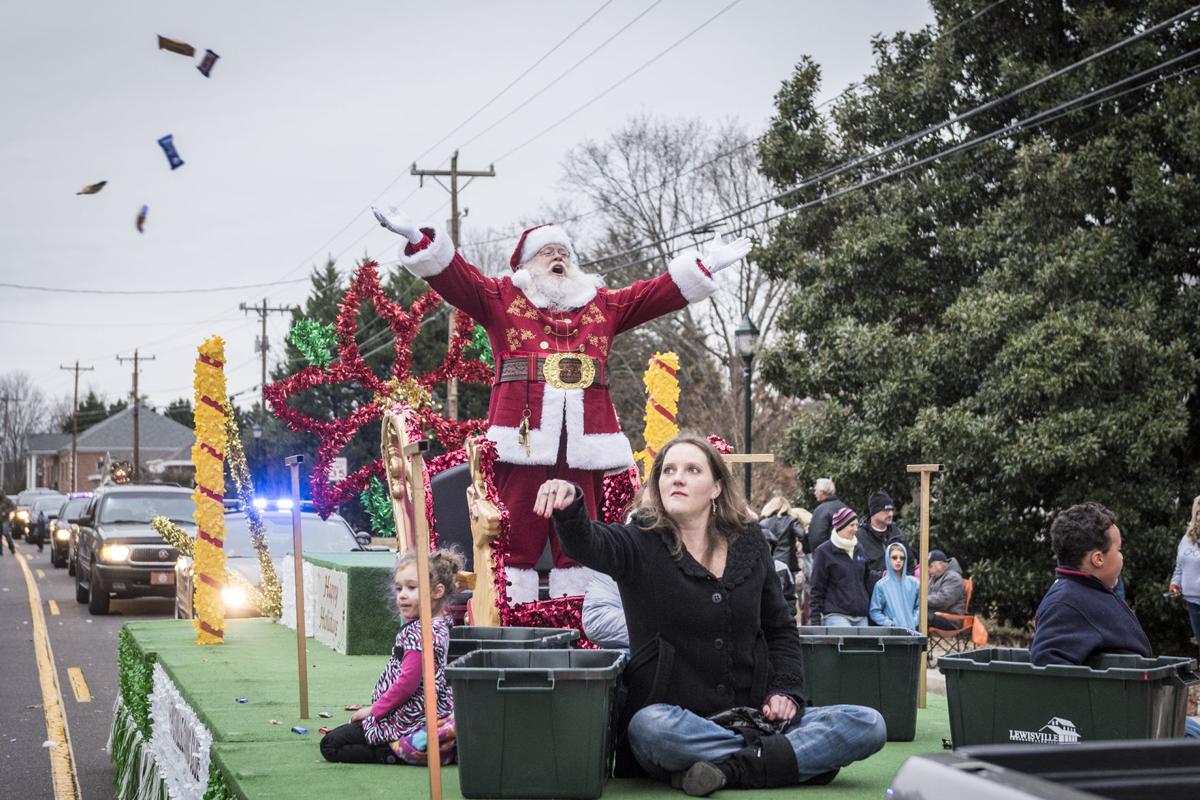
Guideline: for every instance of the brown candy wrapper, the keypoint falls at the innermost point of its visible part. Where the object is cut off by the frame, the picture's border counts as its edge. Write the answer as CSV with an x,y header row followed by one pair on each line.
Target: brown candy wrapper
x,y
354,707
176,46
92,188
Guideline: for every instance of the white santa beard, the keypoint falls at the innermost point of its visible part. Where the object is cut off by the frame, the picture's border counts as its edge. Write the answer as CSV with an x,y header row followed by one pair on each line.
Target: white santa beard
x,y
559,292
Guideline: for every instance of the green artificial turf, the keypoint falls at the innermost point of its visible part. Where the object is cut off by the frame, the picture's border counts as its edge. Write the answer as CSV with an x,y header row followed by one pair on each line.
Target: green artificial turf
x,y
370,626
259,760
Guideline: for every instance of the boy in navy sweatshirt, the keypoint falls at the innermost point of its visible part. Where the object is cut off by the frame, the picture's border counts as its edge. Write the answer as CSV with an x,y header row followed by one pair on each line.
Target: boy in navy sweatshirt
x,y
1080,616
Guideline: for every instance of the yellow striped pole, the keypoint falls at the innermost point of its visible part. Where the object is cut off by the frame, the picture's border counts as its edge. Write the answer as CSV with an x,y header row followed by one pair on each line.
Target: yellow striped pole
x,y
208,455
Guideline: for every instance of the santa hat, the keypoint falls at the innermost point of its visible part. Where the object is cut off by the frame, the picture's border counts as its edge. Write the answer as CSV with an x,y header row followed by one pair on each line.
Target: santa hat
x,y
531,241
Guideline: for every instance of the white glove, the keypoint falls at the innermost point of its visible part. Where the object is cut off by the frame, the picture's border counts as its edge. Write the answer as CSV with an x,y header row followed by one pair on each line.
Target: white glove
x,y
397,221
722,254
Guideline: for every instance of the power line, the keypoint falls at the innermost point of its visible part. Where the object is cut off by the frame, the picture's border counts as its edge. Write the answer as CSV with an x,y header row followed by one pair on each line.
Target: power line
x,y
668,49
940,37
393,182
891,148
195,290
562,75
1033,121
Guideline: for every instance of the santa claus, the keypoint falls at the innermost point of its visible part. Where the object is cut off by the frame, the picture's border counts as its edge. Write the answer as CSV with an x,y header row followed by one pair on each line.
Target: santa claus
x,y
551,327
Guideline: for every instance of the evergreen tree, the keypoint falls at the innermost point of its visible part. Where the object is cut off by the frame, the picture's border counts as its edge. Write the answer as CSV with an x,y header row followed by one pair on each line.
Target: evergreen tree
x,y
1025,312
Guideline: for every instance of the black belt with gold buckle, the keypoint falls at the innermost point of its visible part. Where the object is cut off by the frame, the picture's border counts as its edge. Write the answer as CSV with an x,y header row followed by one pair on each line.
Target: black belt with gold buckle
x,y
560,370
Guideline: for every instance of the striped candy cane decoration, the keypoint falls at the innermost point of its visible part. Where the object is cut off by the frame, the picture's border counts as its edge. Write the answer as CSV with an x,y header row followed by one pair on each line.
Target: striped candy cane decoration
x,y
662,403
209,457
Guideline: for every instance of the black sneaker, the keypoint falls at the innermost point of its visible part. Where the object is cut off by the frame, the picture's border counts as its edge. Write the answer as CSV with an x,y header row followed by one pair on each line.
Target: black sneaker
x,y
823,779
702,779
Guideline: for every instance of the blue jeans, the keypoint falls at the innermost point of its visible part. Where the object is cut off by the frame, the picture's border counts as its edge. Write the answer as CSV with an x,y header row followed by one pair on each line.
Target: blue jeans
x,y
842,621
667,739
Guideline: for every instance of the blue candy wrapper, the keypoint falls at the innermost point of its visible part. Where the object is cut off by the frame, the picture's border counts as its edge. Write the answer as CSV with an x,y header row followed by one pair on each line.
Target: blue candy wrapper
x,y
300,730
168,146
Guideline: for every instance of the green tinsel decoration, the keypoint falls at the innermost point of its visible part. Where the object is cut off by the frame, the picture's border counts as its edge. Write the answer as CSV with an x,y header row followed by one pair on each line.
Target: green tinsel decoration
x,y
136,672
314,340
481,346
379,506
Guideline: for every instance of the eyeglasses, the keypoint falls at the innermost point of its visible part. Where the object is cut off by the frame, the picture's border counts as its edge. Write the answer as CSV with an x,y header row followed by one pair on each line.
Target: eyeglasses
x,y
551,250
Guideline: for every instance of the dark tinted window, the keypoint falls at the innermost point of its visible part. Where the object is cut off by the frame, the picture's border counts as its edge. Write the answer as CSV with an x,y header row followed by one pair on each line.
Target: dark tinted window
x,y
73,509
137,507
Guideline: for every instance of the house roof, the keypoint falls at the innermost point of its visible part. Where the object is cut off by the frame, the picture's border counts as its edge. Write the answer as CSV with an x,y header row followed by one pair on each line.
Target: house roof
x,y
47,442
155,432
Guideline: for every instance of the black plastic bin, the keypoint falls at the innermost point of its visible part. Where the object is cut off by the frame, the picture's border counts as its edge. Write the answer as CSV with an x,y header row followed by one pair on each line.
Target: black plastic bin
x,y
1165,769
468,638
874,667
996,696
535,723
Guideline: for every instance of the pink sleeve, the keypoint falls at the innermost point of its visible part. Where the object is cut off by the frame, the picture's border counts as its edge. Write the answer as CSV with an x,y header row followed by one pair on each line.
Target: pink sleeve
x,y
403,688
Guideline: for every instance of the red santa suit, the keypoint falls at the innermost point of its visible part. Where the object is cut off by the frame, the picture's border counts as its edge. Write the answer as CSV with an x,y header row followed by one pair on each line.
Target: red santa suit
x,y
551,413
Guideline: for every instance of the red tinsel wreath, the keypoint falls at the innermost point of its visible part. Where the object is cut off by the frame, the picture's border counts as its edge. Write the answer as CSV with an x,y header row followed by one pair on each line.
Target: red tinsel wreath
x,y
350,367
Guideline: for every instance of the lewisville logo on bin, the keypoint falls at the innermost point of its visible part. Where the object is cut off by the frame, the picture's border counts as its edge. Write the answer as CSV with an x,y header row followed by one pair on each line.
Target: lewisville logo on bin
x,y
1056,731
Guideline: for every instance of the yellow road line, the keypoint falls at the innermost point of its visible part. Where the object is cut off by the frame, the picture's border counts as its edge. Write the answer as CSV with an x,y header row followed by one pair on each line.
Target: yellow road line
x,y
79,685
53,607
41,574
62,756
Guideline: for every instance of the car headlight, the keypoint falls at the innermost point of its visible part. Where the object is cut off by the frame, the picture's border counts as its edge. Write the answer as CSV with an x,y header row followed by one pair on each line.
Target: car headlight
x,y
114,552
62,534
23,516
234,597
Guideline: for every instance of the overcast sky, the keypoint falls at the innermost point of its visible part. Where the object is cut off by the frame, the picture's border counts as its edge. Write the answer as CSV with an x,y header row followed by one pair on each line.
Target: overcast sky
x,y
313,110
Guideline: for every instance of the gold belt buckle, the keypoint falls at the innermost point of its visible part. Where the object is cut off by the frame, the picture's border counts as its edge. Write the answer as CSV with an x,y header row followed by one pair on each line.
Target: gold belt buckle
x,y
560,375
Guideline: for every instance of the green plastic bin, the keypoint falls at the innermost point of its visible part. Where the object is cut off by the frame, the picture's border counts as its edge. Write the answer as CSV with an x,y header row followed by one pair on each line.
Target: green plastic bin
x,y
535,723
874,667
467,638
997,697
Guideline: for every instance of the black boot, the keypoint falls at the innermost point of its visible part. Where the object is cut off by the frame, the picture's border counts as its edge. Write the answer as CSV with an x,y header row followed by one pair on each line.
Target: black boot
x,y
766,763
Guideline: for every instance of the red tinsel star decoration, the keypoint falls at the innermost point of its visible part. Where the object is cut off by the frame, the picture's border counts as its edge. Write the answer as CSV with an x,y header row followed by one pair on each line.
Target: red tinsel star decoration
x,y
350,367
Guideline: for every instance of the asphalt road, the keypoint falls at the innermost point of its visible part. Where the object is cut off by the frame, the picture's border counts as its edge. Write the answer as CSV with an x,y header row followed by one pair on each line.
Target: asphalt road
x,y
78,641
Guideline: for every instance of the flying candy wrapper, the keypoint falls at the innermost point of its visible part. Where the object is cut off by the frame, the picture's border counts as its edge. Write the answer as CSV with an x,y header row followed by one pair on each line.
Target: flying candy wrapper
x,y
141,218
168,147
206,65
176,46
93,188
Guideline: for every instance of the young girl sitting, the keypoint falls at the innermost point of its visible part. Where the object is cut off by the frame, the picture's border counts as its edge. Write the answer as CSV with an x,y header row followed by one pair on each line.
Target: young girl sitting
x,y
392,728
894,600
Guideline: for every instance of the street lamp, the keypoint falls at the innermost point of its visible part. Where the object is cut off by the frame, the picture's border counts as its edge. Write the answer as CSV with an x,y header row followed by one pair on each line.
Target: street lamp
x,y
745,338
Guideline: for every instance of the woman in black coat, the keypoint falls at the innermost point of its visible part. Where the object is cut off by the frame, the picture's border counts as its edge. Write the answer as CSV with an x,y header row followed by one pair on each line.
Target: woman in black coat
x,y
709,631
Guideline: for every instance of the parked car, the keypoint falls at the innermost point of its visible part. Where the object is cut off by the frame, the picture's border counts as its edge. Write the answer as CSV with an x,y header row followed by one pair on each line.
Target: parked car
x,y
22,514
117,553
65,526
47,506
333,535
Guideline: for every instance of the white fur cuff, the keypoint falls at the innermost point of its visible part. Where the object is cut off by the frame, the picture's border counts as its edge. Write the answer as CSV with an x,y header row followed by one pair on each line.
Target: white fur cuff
x,y
693,284
569,581
433,259
522,585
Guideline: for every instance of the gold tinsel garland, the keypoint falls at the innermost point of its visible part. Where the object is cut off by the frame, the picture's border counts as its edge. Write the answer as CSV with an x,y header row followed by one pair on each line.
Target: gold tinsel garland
x,y
662,403
270,599
209,496
178,538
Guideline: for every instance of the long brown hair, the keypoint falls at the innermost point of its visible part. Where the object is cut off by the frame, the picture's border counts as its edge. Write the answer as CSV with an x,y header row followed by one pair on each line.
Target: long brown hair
x,y
728,520
1193,528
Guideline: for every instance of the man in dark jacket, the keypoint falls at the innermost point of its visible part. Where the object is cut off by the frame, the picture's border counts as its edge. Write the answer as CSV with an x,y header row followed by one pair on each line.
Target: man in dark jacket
x,y
1080,617
947,592
876,532
827,505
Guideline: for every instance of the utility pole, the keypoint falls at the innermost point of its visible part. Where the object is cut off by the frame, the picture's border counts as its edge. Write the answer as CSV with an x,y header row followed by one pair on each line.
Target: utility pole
x,y
4,446
454,173
262,312
75,420
137,401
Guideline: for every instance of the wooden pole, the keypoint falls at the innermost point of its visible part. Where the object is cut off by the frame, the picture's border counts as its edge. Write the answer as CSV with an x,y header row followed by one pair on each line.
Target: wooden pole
x,y
416,451
298,565
925,471
404,468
